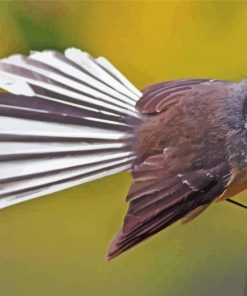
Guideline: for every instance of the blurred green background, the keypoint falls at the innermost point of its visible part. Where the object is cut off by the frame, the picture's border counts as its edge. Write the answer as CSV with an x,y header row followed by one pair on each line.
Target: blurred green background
x,y
56,245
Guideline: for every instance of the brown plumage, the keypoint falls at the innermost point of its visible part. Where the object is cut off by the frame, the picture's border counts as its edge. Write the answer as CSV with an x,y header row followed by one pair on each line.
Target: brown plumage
x,y
187,154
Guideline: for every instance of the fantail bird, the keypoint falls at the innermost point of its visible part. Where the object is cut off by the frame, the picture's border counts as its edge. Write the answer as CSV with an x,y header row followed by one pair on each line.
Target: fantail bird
x,y
69,119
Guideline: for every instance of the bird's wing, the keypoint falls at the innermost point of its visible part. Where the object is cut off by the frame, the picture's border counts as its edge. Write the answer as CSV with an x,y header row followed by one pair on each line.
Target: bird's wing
x,y
159,96
182,165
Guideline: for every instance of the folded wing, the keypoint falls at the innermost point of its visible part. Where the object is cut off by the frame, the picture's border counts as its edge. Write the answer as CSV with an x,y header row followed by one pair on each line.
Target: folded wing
x,y
182,163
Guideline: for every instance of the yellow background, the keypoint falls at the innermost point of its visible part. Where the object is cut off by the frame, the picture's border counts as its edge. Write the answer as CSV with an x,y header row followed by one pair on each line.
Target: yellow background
x,y
56,245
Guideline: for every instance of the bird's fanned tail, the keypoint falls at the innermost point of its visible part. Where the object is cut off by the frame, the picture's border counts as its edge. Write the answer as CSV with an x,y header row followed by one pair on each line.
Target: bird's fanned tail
x,y
67,120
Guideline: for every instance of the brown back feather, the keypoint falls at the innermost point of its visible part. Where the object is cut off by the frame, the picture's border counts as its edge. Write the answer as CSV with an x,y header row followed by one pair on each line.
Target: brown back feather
x,y
182,163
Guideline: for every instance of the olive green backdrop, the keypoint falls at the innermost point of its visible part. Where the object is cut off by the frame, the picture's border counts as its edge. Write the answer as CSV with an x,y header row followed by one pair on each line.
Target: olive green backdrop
x,y
56,245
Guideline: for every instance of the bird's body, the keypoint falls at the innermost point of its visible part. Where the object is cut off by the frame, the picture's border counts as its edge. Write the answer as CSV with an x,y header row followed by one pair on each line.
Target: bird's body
x,y
195,140
184,141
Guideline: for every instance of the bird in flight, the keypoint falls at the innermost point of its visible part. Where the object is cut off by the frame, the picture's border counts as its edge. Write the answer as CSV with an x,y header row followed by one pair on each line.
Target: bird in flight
x,y
67,119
